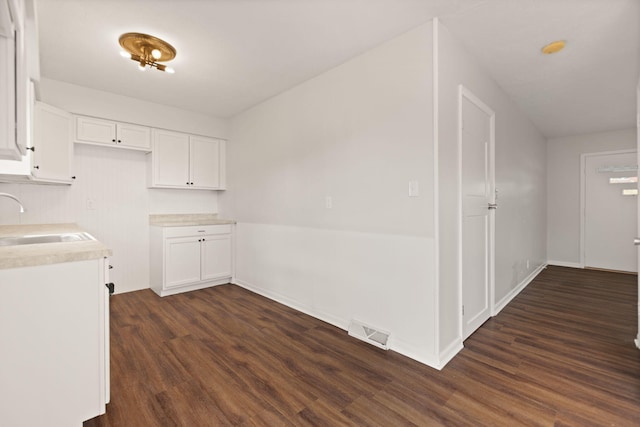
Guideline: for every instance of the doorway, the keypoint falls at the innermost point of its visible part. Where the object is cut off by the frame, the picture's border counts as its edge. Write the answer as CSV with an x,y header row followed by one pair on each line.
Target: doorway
x,y
609,210
476,148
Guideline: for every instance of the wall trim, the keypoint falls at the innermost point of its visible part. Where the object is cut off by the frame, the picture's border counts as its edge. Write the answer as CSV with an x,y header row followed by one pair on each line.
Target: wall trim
x,y
394,345
565,264
291,303
514,292
450,352
407,352
436,183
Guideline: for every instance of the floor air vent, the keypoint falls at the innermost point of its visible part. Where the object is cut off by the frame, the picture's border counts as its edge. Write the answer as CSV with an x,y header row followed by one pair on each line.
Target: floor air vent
x,y
368,334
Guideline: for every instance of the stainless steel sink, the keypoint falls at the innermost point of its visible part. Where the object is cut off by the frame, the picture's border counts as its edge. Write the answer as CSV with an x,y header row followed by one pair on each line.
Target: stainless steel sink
x,y
45,238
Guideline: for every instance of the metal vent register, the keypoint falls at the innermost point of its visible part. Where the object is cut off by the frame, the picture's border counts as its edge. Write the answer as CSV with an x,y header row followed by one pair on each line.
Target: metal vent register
x,y
369,334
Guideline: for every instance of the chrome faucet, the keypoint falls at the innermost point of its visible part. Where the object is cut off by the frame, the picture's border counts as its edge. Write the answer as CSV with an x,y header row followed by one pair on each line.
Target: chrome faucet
x,y
14,198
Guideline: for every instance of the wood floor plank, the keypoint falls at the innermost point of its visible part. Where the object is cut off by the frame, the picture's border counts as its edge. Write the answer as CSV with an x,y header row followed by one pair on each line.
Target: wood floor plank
x,y
218,382
321,413
560,354
268,417
188,405
367,412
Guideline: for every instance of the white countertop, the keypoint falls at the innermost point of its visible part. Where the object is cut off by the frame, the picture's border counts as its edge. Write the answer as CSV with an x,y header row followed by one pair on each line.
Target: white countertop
x,y
179,220
47,253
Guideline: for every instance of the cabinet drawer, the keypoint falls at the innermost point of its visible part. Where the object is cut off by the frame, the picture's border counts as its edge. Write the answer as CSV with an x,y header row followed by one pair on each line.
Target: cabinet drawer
x,y
197,230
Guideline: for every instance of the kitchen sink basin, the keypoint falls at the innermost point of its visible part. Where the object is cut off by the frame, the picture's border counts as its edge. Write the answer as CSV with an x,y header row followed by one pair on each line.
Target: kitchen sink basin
x,y
45,238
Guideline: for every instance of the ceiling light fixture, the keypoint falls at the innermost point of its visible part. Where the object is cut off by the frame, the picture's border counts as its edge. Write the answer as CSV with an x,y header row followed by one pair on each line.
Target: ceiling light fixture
x,y
147,50
554,47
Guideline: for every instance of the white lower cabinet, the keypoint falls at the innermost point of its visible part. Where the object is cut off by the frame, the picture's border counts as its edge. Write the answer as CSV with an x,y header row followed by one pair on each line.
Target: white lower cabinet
x,y
186,258
215,253
54,330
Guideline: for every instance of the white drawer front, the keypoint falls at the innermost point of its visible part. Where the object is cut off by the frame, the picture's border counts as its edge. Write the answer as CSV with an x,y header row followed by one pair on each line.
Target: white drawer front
x,y
197,230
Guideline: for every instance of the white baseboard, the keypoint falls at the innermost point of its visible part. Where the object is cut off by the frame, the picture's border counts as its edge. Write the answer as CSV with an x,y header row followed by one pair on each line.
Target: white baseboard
x,y
338,323
399,348
394,344
450,352
565,264
514,292
195,287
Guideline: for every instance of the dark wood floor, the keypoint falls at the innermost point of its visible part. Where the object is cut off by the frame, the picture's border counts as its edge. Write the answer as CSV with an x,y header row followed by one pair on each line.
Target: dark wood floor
x,y
560,354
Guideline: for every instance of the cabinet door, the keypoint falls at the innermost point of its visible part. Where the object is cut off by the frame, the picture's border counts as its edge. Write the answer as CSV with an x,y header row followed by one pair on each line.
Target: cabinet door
x,y
216,256
134,136
106,397
205,162
23,82
52,354
53,149
96,131
182,261
170,159
8,142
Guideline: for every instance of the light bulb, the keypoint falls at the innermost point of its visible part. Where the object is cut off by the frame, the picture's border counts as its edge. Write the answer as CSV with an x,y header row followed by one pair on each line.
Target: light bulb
x,y
141,67
125,54
169,70
156,53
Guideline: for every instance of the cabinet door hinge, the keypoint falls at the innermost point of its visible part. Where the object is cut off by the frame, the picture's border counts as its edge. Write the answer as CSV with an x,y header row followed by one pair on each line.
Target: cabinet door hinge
x,y
463,310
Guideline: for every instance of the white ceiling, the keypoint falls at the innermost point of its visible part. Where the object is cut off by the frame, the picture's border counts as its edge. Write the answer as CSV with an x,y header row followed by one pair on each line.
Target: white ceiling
x,y
233,54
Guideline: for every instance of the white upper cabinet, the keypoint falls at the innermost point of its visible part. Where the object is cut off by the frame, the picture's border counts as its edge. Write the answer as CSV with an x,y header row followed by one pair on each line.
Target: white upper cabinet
x,y
180,160
91,130
170,159
15,79
52,159
8,141
204,162
133,136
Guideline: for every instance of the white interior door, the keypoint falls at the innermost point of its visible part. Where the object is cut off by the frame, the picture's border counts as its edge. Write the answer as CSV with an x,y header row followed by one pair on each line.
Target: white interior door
x,y
610,211
477,193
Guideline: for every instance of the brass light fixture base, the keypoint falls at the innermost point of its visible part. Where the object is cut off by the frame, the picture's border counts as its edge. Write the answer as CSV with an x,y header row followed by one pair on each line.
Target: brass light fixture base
x,y
554,47
147,50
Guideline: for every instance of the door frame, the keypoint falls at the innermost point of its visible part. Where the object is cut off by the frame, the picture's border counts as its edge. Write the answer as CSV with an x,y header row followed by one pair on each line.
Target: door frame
x,y
637,340
463,92
583,194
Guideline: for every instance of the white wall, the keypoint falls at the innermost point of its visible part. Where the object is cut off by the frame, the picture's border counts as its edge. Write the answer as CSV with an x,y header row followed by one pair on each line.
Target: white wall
x,y
563,188
114,181
92,102
520,180
358,134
